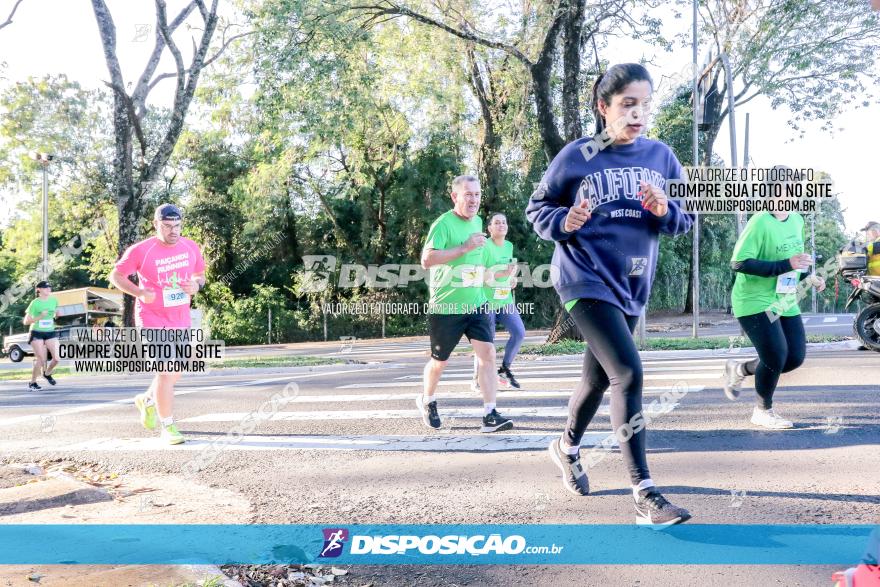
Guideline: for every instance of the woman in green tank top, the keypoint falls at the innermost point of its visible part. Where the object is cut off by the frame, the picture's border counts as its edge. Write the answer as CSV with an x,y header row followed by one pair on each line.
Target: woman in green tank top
x,y
40,316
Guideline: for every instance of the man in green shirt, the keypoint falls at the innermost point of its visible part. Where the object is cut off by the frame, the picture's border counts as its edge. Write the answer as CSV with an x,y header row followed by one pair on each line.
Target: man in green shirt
x,y
453,254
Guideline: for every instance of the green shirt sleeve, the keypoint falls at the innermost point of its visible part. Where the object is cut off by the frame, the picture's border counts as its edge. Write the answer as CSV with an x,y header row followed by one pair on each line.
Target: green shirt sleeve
x,y
438,237
30,309
748,246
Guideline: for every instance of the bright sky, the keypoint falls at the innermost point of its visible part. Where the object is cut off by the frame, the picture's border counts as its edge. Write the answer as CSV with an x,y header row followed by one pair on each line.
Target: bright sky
x,y
60,36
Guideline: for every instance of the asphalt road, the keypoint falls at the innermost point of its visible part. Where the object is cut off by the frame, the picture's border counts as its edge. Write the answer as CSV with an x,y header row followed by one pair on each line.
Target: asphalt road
x,y
346,446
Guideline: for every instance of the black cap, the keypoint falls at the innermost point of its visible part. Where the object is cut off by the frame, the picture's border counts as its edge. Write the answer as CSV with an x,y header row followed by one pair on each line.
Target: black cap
x,y
872,226
167,212
43,284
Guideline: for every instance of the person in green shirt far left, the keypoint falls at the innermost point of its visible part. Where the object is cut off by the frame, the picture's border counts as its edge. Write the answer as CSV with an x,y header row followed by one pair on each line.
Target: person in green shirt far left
x,y
40,316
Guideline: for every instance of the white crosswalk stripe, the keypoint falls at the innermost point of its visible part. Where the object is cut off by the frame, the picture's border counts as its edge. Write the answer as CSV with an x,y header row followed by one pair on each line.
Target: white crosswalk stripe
x,y
504,395
326,415
523,380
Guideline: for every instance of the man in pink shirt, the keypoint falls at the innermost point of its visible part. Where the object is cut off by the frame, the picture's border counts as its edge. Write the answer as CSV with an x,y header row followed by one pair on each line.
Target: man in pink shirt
x,y
170,270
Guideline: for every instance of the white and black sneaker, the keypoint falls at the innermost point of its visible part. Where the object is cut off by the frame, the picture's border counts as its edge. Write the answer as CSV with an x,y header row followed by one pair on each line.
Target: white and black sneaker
x,y
733,375
505,374
33,386
652,509
495,422
574,478
429,412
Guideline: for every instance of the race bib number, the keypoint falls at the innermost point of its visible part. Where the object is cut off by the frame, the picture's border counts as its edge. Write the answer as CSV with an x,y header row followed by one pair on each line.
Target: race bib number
x,y
472,276
501,293
174,296
48,323
787,282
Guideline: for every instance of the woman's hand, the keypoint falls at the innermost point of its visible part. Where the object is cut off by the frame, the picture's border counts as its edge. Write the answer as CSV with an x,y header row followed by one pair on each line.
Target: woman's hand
x,y
817,282
801,261
654,199
577,216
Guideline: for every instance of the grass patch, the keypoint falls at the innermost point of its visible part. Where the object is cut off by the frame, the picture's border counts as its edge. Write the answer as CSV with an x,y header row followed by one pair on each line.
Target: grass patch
x,y
25,373
573,347
291,361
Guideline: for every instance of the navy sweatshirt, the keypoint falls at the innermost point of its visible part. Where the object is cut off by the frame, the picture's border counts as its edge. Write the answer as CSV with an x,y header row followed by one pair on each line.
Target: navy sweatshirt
x,y
613,256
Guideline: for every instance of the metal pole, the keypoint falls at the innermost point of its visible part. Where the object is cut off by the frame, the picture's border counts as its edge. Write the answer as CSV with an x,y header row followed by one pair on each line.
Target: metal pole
x,y
696,148
740,217
813,251
642,319
45,270
270,325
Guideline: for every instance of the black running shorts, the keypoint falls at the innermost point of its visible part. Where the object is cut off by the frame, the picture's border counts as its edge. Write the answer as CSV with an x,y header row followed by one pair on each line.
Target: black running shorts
x,y
446,330
42,335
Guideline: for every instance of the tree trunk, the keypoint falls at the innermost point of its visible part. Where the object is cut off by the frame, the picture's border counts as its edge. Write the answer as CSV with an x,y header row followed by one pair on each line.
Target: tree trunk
x,y
488,158
563,328
571,70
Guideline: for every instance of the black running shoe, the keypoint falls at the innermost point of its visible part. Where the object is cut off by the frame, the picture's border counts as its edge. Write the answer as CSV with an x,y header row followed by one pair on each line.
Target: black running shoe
x,y
495,422
49,378
505,372
733,379
32,386
429,413
652,509
574,478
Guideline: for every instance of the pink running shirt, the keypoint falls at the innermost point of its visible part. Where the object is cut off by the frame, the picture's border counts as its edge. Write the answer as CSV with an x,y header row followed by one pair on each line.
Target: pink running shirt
x,y
161,268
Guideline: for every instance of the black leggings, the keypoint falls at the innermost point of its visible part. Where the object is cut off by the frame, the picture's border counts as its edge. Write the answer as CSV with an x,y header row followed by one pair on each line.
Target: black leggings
x,y
611,359
781,346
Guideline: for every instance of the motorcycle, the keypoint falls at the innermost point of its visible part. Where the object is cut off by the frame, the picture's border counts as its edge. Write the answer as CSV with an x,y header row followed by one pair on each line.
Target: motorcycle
x,y
853,267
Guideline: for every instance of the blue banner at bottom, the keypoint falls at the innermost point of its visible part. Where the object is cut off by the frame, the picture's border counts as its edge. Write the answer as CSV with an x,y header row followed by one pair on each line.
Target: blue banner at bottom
x,y
526,544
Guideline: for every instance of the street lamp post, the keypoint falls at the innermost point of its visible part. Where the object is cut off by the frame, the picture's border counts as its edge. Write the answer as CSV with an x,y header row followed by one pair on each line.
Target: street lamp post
x,y
43,159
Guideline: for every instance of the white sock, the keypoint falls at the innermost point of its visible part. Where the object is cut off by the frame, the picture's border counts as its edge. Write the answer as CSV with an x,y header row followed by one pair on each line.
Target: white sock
x,y
487,408
148,399
167,421
643,485
427,398
571,450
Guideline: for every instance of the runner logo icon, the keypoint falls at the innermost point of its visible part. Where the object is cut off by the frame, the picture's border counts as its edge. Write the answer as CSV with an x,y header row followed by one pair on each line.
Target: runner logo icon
x,y
334,540
639,264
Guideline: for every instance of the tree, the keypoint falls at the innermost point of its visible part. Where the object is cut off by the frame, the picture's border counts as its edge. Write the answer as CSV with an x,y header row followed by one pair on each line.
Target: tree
x,y
135,169
538,28
815,57
56,115
9,18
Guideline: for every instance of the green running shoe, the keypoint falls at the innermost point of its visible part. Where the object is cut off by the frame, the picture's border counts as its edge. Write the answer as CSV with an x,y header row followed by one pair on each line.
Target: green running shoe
x,y
172,435
147,411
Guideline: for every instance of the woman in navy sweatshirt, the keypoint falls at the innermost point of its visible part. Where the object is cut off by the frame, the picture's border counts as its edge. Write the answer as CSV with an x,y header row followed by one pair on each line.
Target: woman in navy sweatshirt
x,y
602,201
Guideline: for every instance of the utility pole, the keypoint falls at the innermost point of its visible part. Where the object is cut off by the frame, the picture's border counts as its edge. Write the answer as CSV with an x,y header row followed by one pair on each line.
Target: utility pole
x,y
695,260
43,159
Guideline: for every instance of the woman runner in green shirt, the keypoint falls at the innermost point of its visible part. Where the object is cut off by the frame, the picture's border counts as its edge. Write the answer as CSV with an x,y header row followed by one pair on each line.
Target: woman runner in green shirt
x,y
40,316
769,261
499,296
